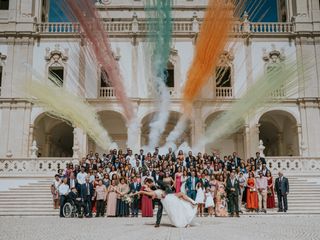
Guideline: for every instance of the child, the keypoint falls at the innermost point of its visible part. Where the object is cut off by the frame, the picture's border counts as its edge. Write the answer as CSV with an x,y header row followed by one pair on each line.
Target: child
x,y
200,198
209,203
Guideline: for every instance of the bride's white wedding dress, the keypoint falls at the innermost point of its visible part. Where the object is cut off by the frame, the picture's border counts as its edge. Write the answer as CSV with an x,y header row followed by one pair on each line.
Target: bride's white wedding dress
x,y
180,212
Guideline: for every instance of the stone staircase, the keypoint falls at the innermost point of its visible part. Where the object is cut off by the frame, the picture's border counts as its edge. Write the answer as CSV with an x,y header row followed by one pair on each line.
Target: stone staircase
x,y
304,197
35,198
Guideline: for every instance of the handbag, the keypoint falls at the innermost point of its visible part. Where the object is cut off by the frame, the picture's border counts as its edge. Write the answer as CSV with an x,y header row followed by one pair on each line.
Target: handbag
x,y
253,190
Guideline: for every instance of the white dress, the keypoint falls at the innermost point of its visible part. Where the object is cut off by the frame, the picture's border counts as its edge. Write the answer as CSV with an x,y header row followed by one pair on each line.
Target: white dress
x,y
183,186
200,195
209,200
180,212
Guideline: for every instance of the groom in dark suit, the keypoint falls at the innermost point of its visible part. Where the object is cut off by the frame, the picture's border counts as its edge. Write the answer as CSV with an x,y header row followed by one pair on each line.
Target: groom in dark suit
x,y
191,185
282,189
233,192
134,186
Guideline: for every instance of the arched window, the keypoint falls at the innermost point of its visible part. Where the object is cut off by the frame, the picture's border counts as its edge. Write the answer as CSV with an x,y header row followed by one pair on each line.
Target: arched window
x,y
56,74
104,79
1,72
223,76
4,4
169,73
56,64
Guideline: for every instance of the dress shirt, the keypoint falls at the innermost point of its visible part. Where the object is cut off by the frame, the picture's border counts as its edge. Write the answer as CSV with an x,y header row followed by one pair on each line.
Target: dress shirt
x,y
81,177
64,189
262,183
72,183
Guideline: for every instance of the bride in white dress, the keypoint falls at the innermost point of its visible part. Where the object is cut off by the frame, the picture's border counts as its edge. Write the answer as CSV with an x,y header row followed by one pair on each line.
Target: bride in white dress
x,y
180,208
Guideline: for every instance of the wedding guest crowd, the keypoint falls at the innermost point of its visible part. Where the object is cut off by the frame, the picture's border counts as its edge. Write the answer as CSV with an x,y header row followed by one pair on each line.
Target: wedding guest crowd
x,y
221,186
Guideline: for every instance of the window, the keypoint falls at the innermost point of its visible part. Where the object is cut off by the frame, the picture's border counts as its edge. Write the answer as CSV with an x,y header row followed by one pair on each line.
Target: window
x,y
104,79
56,75
4,4
223,77
283,11
169,73
44,11
1,76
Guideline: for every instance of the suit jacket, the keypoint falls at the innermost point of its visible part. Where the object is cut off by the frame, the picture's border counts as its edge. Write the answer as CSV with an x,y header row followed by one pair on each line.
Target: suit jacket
x,y
134,189
237,161
189,183
263,160
84,190
76,184
282,187
235,186
205,182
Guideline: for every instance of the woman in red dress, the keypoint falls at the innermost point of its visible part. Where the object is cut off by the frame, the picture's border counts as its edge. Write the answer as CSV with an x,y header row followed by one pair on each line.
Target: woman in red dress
x,y
270,198
146,203
252,195
178,180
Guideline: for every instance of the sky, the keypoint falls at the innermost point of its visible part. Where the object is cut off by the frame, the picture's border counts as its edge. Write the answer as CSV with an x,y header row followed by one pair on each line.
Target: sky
x,y
259,11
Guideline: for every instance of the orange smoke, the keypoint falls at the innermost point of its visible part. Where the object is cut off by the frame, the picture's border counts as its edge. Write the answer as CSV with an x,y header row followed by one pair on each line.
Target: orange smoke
x,y
212,40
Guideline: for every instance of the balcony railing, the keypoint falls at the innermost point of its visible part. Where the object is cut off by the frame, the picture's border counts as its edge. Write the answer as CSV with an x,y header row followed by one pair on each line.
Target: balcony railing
x,y
278,93
107,92
32,167
224,92
141,27
18,167
294,165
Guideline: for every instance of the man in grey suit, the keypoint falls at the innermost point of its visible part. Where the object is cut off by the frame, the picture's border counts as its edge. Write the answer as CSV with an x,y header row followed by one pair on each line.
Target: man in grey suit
x,y
282,190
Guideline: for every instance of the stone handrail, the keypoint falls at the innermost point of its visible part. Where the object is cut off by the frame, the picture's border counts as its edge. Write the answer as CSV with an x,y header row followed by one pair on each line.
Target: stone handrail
x,y
31,167
107,92
293,165
141,27
47,167
224,92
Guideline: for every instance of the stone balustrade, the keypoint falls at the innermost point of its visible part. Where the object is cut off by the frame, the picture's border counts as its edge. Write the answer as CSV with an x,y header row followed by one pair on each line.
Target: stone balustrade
x,y
294,165
186,27
41,167
107,92
16,167
224,92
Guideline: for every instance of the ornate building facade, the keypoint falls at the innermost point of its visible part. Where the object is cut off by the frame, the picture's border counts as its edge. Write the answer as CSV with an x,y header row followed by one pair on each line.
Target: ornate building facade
x,y
29,40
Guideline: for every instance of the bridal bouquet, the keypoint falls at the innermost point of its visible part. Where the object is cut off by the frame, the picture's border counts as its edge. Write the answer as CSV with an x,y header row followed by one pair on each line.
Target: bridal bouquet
x,y
127,198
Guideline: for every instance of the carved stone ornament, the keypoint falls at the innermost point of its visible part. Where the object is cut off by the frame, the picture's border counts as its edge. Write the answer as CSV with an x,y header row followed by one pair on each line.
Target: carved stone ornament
x,y
274,56
55,55
225,58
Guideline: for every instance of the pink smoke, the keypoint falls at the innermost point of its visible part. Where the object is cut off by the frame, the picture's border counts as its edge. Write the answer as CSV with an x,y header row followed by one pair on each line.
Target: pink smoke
x,y
86,14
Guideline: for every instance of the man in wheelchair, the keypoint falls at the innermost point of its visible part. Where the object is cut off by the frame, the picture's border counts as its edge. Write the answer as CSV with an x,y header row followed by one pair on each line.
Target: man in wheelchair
x,y
74,199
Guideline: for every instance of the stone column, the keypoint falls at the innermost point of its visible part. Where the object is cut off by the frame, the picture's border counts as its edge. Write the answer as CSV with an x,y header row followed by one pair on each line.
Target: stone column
x,y
31,130
198,128
47,146
303,18
135,91
300,140
246,134
280,143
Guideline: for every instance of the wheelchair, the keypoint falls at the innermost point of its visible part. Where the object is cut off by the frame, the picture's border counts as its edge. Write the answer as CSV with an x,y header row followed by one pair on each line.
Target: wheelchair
x,y
70,209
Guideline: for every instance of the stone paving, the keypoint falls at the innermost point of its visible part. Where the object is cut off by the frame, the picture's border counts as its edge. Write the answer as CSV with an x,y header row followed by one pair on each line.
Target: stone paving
x,y
246,227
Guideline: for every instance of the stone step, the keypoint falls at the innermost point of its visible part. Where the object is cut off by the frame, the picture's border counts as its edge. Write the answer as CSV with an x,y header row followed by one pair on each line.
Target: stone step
x,y
31,214
30,210
35,207
42,204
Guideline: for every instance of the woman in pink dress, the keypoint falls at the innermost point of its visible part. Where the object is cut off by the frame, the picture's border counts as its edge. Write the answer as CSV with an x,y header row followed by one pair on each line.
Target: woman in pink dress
x,y
146,203
178,180
112,199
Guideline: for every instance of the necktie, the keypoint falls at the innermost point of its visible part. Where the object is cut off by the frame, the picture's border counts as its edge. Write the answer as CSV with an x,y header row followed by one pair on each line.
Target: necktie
x,y
88,190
